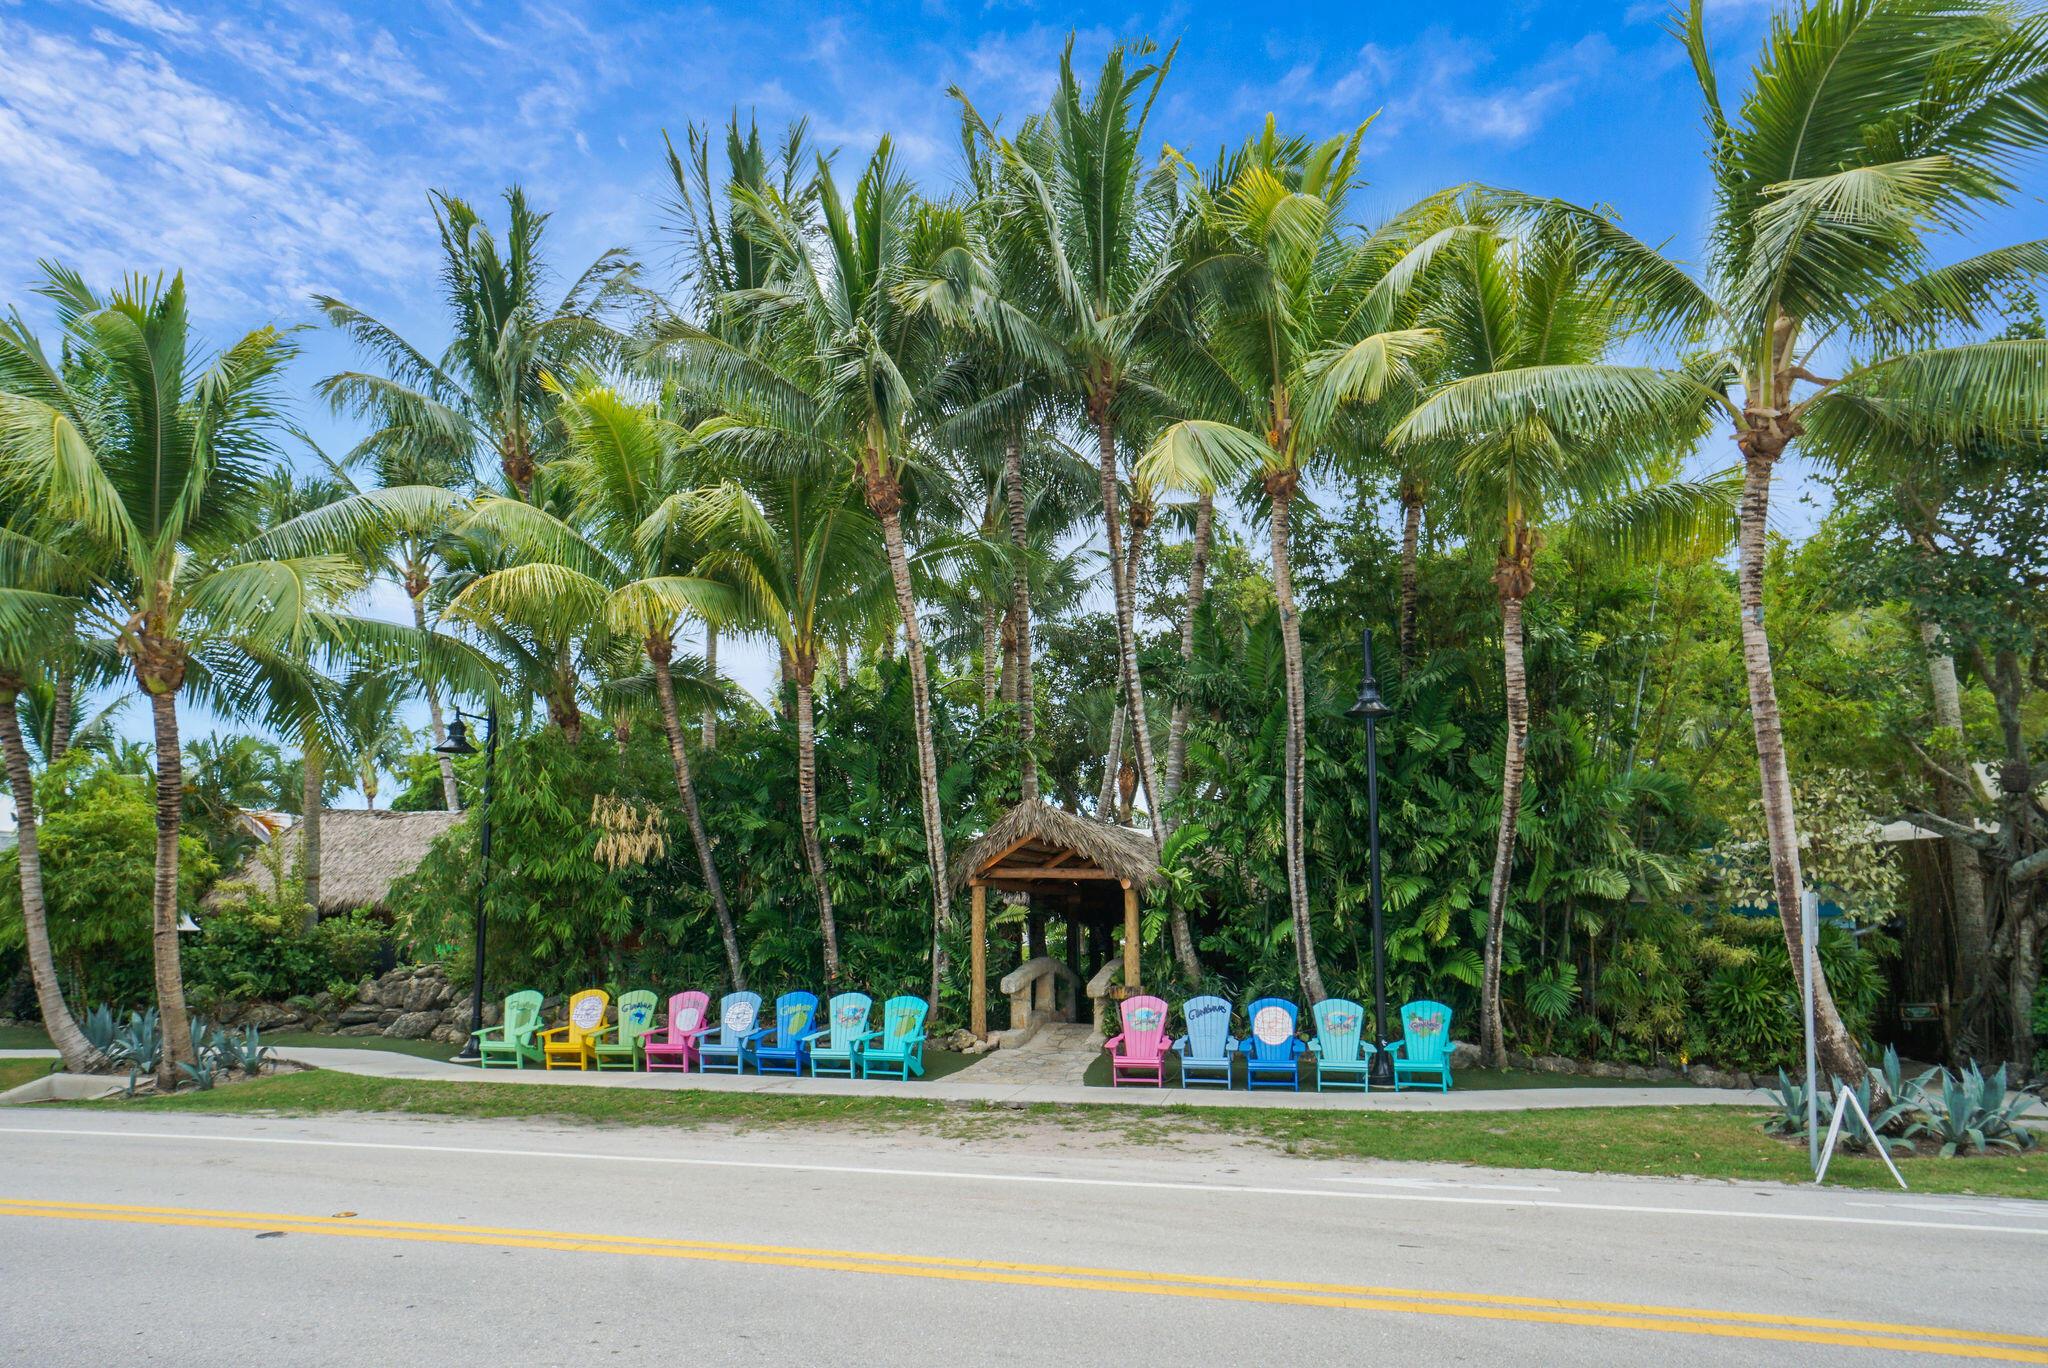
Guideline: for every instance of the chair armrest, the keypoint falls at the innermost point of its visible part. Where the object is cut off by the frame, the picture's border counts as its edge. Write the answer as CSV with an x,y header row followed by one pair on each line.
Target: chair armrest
x,y
1178,1044
488,1033
591,1037
754,1036
863,1038
814,1035
1394,1049
1114,1041
1315,1047
693,1037
557,1033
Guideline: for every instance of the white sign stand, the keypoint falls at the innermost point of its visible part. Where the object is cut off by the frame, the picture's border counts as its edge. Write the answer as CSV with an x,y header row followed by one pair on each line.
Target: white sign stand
x,y
1817,1153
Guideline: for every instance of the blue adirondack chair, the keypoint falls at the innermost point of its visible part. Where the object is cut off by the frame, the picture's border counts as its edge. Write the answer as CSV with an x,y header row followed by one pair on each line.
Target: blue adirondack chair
x,y
722,1044
835,1050
1343,1060
784,1048
897,1050
1272,1050
1206,1049
1422,1056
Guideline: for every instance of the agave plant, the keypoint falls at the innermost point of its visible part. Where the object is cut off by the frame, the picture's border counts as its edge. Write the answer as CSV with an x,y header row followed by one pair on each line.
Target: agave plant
x,y
141,1042
101,1027
246,1051
1974,1114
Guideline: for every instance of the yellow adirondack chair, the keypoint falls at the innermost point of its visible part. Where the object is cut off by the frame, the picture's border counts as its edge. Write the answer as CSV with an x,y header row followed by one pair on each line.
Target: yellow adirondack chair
x,y
568,1046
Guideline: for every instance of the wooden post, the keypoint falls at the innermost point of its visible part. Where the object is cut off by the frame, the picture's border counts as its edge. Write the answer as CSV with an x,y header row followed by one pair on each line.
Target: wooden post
x,y
1130,937
977,1018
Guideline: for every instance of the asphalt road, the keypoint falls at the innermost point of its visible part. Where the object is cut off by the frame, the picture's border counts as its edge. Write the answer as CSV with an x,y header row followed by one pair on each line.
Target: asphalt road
x,y
369,1242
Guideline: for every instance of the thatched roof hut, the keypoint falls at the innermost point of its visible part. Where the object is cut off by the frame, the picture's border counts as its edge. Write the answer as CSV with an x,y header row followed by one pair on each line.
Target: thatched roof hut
x,y
1051,843
362,853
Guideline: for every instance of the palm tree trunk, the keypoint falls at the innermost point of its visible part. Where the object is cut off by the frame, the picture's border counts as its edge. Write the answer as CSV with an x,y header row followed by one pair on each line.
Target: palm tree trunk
x,y
708,729
1972,920
1020,612
1126,630
78,1054
1839,1057
451,796
63,708
686,788
1294,784
991,679
1514,760
1113,759
2017,944
886,501
313,767
1411,540
807,810
170,980
1198,574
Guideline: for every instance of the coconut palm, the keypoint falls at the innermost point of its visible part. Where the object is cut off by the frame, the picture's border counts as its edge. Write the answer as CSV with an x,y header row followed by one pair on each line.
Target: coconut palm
x,y
485,394
836,361
1869,127
1501,306
1304,329
139,469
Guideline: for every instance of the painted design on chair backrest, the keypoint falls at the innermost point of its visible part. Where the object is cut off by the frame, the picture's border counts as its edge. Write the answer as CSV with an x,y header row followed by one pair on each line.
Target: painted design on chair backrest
x,y
1144,1027
1425,1032
902,1020
1338,1021
636,1014
522,1014
737,1013
685,1014
586,1012
850,1012
794,1013
1208,1023
1273,1021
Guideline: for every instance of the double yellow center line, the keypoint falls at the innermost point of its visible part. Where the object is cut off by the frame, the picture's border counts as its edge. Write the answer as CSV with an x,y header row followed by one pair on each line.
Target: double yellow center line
x,y
1678,1320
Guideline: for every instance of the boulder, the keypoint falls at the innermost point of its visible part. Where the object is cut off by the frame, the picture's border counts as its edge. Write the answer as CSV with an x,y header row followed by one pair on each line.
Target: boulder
x,y
1601,1068
1465,1055
424,993
268,1016
367,1028
362,1014
1557,1064
413,1026
448,1035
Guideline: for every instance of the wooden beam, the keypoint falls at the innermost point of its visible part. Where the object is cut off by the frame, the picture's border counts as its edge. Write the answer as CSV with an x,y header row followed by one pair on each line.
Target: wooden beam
x,y
1041,872
977,1012
1130,938
1056,861
1006,852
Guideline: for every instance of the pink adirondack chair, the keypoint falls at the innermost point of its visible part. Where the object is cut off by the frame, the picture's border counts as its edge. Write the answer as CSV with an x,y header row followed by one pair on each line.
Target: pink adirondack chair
x,y
672,1048
1138,1055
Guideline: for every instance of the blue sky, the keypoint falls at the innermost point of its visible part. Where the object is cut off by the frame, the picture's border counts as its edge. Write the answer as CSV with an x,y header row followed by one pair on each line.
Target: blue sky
x,y
274,150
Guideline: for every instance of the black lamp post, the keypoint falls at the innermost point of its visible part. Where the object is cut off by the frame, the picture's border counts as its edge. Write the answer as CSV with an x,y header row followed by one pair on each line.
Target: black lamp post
x,y
458,744
1371,707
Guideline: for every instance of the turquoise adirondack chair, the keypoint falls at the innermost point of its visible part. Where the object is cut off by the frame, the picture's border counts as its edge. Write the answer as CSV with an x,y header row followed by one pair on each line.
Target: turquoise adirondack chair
x,y
618,1045
1206,1049
1343,1059
1422,1056
1137,1054
897,1050
670,1048
722,1044
511,1044
835,1050
1272,1050
781,1049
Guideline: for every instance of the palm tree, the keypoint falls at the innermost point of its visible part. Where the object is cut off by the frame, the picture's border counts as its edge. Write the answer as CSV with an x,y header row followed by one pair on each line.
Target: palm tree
x,y
149,455
486,393
1301,332
612,570
1869,126
836,361
1503,306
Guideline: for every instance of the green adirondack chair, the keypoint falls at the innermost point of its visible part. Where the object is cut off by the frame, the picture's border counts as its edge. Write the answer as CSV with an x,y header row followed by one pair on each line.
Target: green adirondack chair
x,y
618,1046
510,1045
897,1050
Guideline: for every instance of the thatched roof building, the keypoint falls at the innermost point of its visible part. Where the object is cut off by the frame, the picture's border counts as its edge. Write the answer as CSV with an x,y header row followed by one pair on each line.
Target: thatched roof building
x,y
362,853
1036,841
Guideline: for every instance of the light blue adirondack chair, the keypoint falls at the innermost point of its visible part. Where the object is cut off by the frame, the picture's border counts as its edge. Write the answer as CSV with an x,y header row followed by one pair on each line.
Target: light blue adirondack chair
x,y
1206,1049
835,1050
1343,1060
782,1049
1272,1050
1422,1056
722,1044
897,1050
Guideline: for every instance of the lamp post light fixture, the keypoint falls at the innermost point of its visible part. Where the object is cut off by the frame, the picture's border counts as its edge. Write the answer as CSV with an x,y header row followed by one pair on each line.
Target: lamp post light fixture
x,y
458,744
1371,709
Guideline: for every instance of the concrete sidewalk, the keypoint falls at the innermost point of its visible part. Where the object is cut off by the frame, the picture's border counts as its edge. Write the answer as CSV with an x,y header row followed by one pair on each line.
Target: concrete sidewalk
x,y
962,1087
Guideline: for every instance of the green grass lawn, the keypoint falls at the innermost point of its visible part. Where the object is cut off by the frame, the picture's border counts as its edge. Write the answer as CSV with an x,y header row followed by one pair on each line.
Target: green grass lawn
x,y
23,1038
15,1072
1710,1142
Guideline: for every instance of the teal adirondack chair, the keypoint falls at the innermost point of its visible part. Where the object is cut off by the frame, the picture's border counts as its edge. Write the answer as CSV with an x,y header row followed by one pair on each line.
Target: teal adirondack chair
x,y
835,1050
1422,1056
510,1045
897,1050
618,1046
1343,1059
1205,1051
722,1044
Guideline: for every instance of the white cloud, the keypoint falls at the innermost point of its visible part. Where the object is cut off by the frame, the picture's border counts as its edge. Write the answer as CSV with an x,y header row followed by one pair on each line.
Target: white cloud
x,y
148,14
